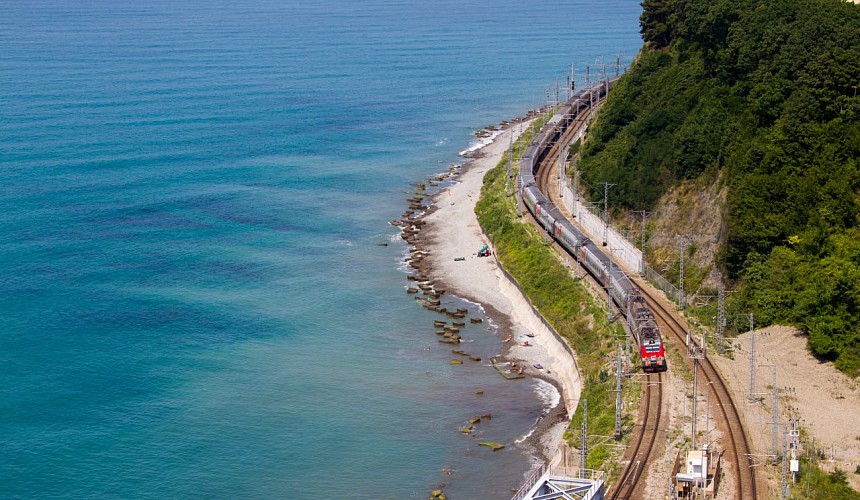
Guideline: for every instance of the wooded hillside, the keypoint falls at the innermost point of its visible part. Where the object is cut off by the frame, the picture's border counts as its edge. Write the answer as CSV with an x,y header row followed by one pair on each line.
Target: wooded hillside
x,y
764,97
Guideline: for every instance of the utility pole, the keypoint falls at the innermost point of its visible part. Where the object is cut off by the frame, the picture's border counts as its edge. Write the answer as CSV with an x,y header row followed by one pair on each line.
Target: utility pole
x,y
562,159
606,81
510,164
575,186
708,415
618,401
645,214
774,418
681,299
794,434
784,478
696,353
608,295
517,196
752,396
617,65
588,86
606,187
627,352
719,331
811,458
583,439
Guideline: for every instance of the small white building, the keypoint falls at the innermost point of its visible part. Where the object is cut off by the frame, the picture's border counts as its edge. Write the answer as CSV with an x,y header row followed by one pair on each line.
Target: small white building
x,y
693,475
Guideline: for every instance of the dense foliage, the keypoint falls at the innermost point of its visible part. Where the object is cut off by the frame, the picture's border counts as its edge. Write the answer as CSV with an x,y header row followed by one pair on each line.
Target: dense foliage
x,y
813,482
763,96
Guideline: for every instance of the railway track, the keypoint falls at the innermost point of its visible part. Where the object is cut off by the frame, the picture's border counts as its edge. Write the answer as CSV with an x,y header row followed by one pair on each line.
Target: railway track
x,y
737,444
642,444
544,175
643,441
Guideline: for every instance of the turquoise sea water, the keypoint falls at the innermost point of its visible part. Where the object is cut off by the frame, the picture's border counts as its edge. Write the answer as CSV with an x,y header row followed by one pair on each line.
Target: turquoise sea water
x,y
194,301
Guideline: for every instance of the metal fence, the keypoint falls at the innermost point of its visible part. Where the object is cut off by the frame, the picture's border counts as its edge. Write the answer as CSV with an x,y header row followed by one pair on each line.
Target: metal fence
x,y
530,481
590,478
663,284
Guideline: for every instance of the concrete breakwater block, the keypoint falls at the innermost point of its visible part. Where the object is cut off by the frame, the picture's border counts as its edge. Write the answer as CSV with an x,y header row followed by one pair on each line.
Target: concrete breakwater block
x,y
423,303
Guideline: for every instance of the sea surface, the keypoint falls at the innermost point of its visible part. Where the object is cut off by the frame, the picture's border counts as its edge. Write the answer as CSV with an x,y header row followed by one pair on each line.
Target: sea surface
x,y
195,299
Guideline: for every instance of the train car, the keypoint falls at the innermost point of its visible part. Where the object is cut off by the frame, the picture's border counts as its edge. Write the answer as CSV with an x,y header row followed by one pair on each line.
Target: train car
x,y
621,288
530,197
568,236
544,214
590,256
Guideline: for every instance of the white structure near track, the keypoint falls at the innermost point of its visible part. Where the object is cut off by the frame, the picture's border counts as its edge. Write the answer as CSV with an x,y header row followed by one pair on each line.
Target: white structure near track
x,y
568,483
622,251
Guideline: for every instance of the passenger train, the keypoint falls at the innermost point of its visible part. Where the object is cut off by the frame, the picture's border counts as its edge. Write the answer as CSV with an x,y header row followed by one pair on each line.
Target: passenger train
x,y
640,318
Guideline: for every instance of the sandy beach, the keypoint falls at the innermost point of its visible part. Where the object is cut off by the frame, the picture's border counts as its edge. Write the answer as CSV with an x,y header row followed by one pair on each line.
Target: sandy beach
x,y
452,238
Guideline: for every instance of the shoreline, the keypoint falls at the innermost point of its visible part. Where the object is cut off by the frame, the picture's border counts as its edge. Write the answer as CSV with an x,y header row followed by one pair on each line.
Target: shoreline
x,y
450,237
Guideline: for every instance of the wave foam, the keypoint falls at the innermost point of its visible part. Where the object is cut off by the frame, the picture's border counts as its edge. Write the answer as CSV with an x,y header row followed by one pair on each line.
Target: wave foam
x,y
480,143
548,394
